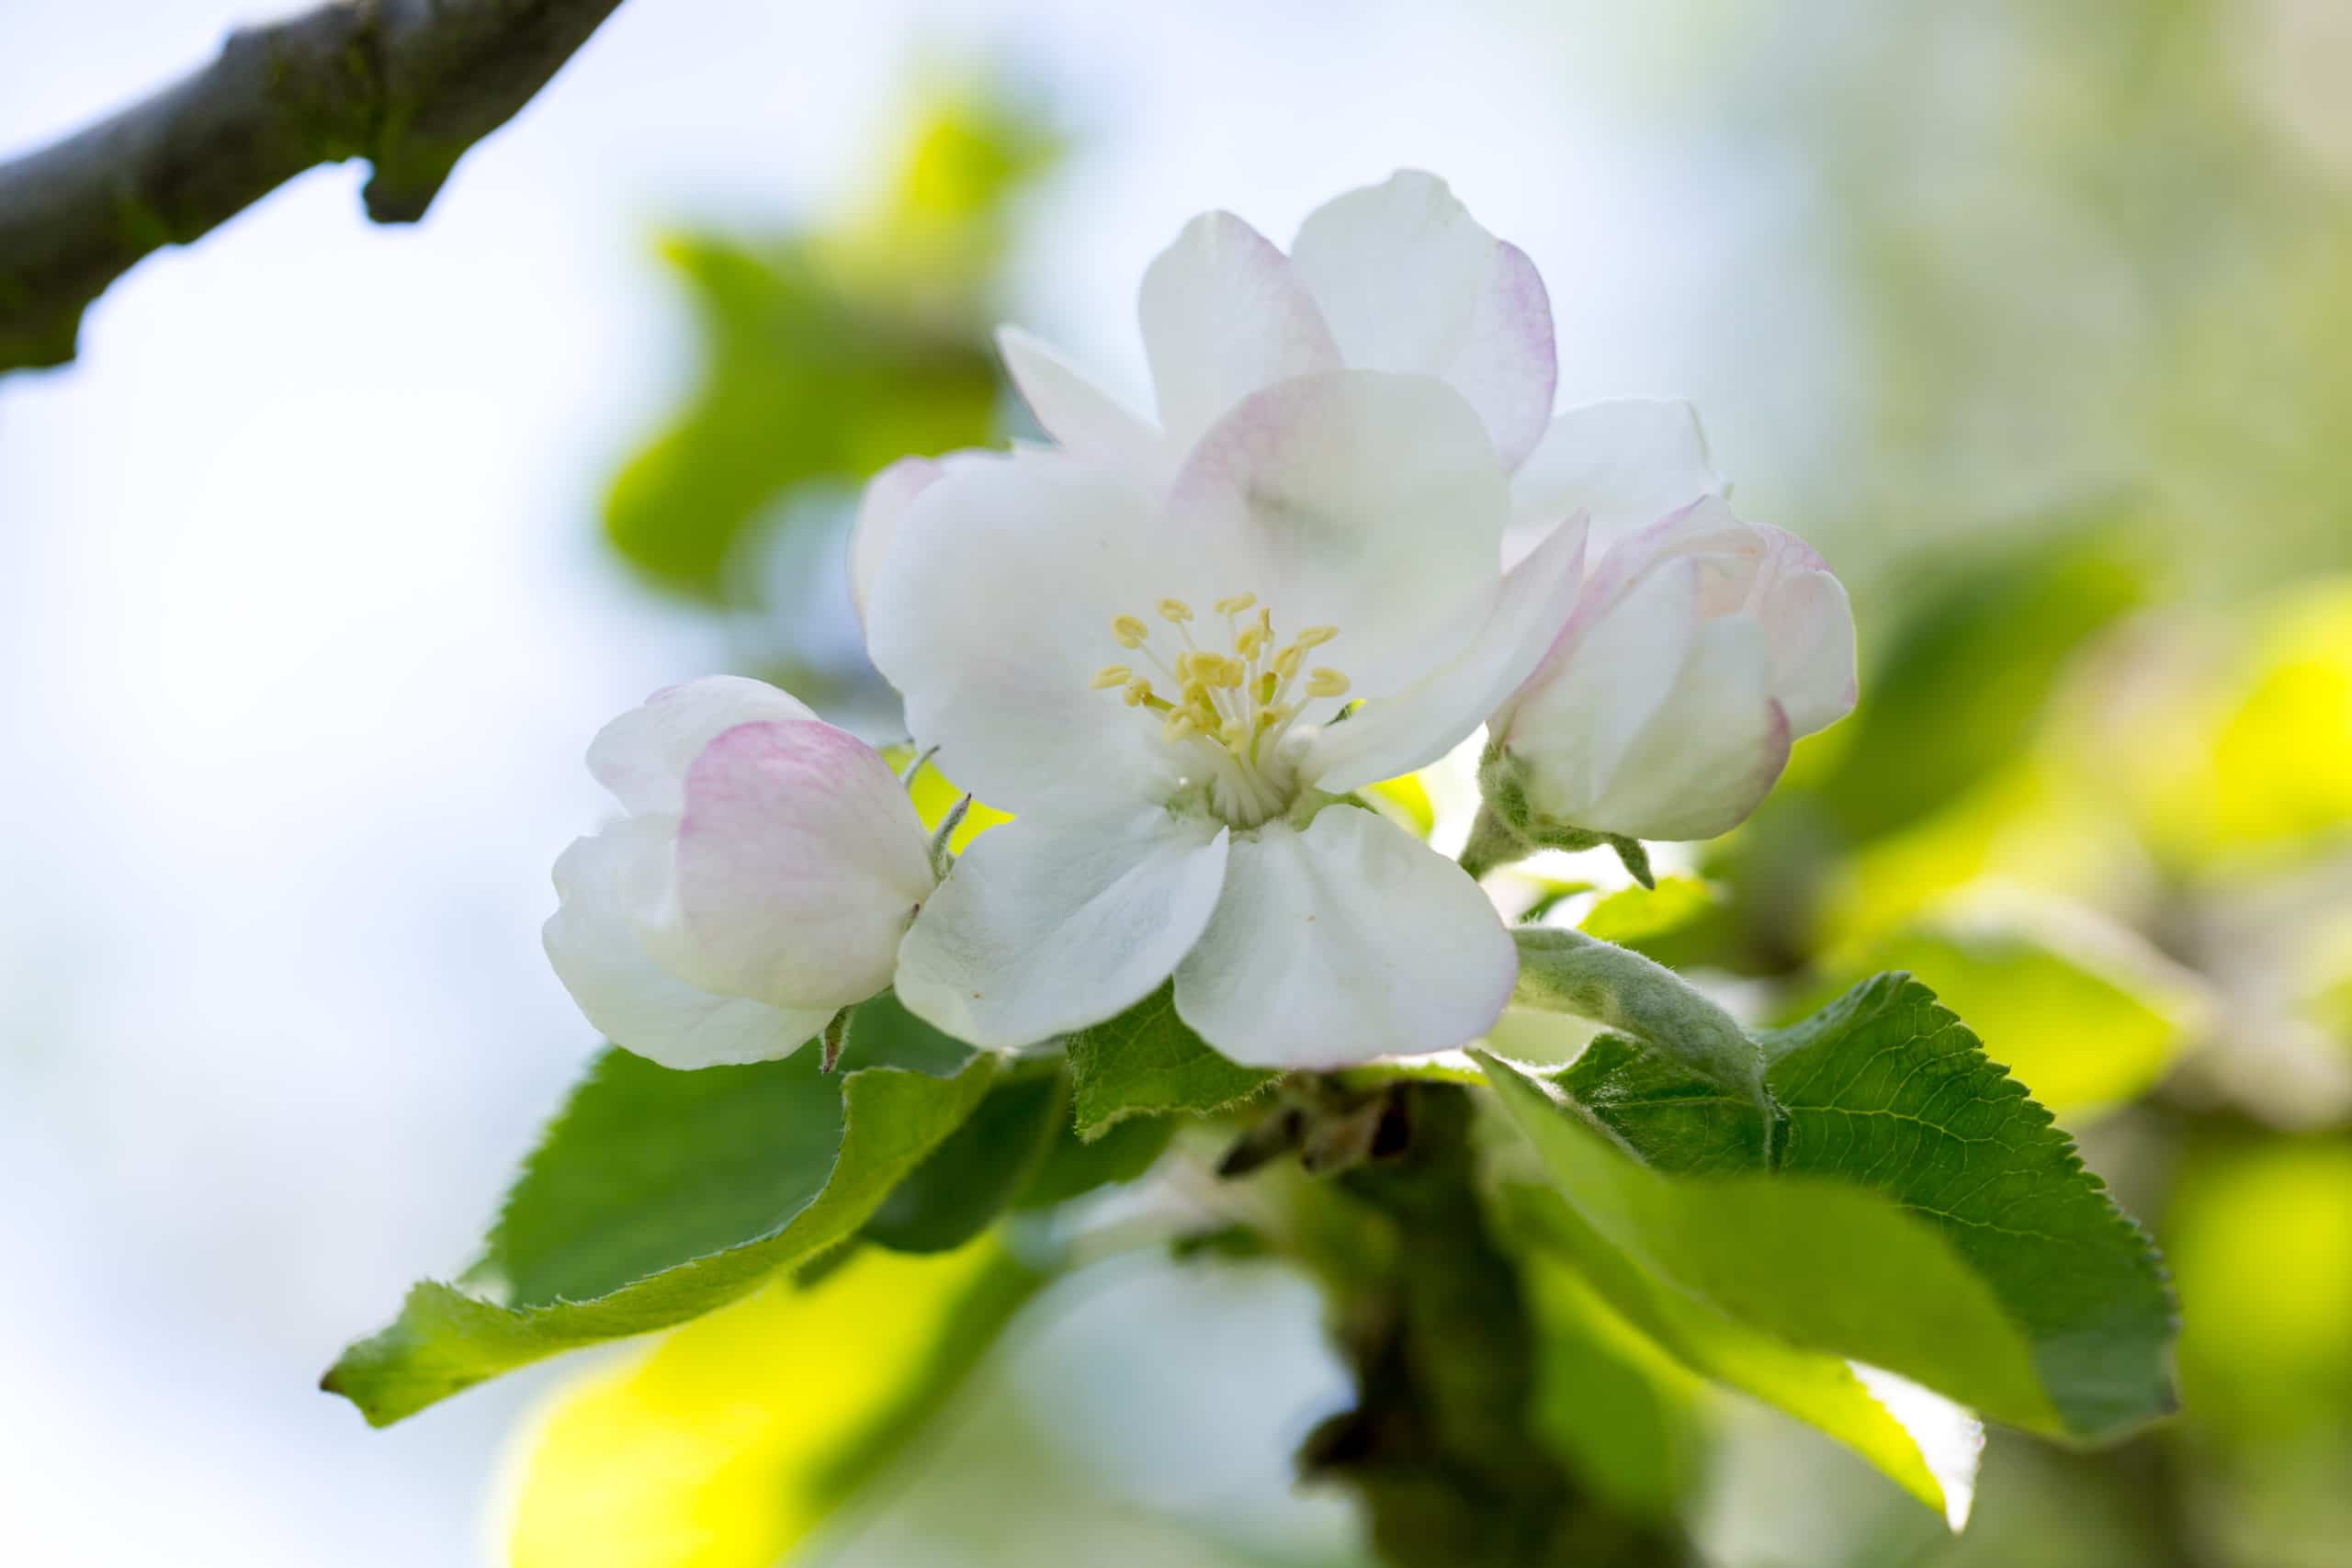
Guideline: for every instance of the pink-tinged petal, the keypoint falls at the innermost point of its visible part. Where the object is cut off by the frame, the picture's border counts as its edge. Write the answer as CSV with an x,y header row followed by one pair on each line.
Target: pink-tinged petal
x,y
1357,499
1088,422
1223,315
1054,922
800,862
1410,282
993,614
1388,736
890,495
1651,718
1626,462
1346,942
605,885
643,755
1809,626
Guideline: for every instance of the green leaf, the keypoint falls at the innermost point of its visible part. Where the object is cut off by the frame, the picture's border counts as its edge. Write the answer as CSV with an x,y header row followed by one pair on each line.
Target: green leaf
x,y
958,1192
1922,1216
2088,1021
1819,1389
1146,1062
1074,1167
659,1195
739,1435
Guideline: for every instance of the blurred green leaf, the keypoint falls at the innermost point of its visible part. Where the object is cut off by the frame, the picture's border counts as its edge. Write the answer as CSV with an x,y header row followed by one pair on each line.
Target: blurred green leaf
x,y
830,353
741,1432
1623,1416
1922,1214
2261,1241
1638,917
1966,675
967,1181
658,1195
1074,1167
1146,1062
1818,1389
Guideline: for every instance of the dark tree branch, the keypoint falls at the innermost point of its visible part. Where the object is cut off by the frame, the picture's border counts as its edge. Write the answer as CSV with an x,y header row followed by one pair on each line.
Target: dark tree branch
x,y
408,84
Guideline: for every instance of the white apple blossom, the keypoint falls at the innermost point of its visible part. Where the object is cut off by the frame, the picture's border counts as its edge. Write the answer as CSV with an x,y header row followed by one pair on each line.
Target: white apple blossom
x,y
765,870
1142,641
1700,647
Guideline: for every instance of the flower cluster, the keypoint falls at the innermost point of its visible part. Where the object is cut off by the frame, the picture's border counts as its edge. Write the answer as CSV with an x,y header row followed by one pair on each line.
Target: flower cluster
x,y
1175,647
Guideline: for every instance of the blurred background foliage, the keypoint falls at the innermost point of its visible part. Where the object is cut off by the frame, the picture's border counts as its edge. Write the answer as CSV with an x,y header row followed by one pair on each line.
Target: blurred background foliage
x,y
2092,266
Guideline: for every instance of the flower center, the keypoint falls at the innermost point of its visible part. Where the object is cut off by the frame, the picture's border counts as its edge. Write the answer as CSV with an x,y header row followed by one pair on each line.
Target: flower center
x,y
1227,710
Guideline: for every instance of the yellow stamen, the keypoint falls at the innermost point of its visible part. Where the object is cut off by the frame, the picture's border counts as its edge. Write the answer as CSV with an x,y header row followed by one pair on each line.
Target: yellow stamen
x,y
1236,603
1248,640
1129,632
1235,732
1180,723
1327,683
1175,610
1288,662
1137,691
1195,695
1112,675
1264,691
1315,636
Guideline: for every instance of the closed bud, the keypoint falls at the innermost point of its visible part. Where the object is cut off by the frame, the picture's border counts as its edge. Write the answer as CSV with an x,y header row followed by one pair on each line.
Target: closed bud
x,y
1699,649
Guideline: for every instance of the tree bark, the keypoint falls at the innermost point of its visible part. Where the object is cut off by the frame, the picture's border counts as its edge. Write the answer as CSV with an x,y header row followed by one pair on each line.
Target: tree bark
x,y
408,84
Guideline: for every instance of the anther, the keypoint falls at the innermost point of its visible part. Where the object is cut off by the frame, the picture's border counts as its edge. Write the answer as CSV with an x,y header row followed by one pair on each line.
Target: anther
x,y
1138,692
1327,683
1180,723
1248,640
1234,604
1175,610
1265,688
1315,636
1288,662
1129,631
1112,675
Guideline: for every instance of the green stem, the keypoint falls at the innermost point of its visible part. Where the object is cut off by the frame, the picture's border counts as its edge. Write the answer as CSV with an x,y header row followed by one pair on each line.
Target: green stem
x,y
1492,844
1439,1446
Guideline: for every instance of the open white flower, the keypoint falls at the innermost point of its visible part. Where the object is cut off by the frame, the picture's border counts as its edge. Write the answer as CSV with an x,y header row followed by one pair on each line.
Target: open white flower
x,y
1699,649
1142,642
761,881
1147,677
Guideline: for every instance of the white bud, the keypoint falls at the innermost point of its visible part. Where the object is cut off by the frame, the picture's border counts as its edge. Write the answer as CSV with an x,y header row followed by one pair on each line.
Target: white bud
x,y
1699,650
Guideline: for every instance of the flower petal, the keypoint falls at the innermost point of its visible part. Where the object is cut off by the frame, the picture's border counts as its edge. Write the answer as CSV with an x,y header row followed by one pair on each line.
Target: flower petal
x,y
643,755
1409,281
1345,941
1388,736
800,862
1056,920
1087,421
1712,752
880,510
1809,626
1658,724
1358,498
1223,315
1628,462
592,942
994,612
